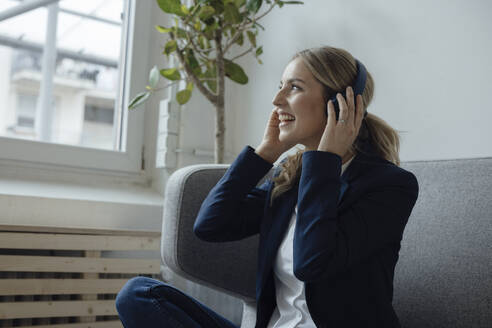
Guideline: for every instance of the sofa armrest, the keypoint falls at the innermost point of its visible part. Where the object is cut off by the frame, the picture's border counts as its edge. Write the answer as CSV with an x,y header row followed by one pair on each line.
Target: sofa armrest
x,y
229,267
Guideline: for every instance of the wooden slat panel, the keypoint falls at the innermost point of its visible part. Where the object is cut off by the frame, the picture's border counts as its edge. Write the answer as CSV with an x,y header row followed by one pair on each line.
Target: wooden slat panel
x,y
90,275
77,264
98,324
18,310
60,286
121,232
19,240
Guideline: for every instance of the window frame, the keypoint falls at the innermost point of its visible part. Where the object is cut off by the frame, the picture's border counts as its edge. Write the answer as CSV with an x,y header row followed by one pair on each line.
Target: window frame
x,y
128,161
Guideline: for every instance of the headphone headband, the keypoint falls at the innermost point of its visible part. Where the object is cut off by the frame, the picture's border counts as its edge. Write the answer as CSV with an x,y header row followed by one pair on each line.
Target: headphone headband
x,y
360,81
358,87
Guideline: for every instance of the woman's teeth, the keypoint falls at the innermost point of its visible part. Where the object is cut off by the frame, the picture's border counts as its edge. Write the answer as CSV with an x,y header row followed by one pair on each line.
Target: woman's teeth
x,y
286,117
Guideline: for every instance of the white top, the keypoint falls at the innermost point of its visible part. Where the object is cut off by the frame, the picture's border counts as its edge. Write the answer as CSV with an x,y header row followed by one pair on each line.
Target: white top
x,y
291,310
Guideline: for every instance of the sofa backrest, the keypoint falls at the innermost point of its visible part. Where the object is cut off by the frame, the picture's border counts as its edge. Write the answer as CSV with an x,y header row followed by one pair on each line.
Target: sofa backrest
x,y
444,274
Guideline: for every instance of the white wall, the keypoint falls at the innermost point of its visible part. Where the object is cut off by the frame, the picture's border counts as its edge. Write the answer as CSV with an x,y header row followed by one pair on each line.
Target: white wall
x,y
429,60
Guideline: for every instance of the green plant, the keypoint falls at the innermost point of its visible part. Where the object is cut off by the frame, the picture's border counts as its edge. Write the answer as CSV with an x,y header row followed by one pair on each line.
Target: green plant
x,y
200,39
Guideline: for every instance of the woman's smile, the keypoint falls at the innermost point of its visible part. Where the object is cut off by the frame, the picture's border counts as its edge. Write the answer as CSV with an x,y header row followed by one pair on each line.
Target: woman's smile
x,y
284,123
285,119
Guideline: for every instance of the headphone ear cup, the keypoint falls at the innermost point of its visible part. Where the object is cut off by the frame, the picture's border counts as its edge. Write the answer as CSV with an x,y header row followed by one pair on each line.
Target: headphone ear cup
x,y
337,107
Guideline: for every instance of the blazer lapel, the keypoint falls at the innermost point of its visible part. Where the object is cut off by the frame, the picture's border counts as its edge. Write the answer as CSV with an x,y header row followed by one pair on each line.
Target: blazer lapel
x,y
280,221
281,215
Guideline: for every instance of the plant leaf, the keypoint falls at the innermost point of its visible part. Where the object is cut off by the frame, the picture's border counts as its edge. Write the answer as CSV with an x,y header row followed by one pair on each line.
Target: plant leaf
x,y
206,12
171,74
153,77
259,51
231,13
139,99
183,96
163,29
170,6
252,38
185,10
235,72
192,62
181,33
198,25
209,30
240,39
217,4
170,47
201,41
254,5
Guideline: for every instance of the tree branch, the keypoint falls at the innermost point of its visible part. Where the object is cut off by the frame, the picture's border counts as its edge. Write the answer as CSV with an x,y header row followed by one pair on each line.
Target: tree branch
x,y
246,26
266,12
209,95
167,85
242,54
220,66
198,51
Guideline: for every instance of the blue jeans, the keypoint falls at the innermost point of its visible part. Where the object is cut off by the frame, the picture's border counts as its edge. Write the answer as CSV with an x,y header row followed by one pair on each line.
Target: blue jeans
x,y
150,303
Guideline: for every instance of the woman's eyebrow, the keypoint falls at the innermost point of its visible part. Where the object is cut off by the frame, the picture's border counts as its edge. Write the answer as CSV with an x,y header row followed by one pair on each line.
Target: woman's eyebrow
x,y
293,80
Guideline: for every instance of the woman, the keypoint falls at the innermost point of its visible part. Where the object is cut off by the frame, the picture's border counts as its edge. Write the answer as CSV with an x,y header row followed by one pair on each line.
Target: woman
x,y
330,221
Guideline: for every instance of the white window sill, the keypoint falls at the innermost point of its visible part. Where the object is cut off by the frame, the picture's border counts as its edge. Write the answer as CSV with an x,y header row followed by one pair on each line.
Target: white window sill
x,y
76,205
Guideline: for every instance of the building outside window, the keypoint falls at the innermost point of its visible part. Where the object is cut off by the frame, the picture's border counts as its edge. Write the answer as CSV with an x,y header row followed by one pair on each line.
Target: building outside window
x,y
77,95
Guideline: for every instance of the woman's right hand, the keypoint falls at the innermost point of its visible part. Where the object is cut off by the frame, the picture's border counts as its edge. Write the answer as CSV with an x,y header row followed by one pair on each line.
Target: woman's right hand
x,y
271,147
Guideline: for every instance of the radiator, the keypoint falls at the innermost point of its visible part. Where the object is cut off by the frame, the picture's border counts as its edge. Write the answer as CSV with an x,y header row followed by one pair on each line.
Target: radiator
x,y
63,277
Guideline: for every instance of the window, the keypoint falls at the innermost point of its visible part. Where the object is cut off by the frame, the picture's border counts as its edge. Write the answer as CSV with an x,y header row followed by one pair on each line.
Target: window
x,y
26,110
65,83
98,123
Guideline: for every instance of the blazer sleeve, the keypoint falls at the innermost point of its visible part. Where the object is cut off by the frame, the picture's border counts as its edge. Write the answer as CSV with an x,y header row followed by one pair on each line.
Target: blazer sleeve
x,y
234,207
326,243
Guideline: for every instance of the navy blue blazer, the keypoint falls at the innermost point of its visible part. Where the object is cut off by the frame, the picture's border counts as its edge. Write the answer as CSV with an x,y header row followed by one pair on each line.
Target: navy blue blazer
x,y
347,233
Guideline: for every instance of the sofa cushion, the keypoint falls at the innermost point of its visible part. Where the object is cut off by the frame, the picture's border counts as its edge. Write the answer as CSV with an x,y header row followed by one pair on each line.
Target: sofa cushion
x,y
444,275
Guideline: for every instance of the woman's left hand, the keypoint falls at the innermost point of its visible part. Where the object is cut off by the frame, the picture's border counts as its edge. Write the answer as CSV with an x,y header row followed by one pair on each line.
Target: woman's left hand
x,y
339,136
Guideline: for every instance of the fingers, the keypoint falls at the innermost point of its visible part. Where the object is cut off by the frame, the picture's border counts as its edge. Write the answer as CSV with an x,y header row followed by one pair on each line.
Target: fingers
x,y
359,111
331,114
351,105
348,110
274,114
344,112
341,105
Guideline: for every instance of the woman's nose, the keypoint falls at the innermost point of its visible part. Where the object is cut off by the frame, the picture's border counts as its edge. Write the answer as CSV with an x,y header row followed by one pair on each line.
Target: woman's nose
x,y
278,99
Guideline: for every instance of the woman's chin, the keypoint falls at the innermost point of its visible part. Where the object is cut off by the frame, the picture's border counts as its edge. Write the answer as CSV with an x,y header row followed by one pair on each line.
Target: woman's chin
x,y
284,137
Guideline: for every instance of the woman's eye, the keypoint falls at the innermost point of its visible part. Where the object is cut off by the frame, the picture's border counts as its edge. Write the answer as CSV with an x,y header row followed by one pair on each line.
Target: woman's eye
x,y
293,86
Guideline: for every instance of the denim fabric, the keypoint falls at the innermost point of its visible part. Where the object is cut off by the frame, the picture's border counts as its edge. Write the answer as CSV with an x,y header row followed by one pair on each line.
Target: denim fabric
x,y
150,303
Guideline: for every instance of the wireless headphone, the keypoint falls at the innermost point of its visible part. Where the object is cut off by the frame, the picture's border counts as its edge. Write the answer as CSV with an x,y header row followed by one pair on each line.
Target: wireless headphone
x,y
360,83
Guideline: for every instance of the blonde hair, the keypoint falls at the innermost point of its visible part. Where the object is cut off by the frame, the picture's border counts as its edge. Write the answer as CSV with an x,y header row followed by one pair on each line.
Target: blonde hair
x,y
335,69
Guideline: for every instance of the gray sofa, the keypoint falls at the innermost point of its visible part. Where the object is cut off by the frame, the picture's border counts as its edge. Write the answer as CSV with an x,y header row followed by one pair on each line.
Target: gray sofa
x,y
444,274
